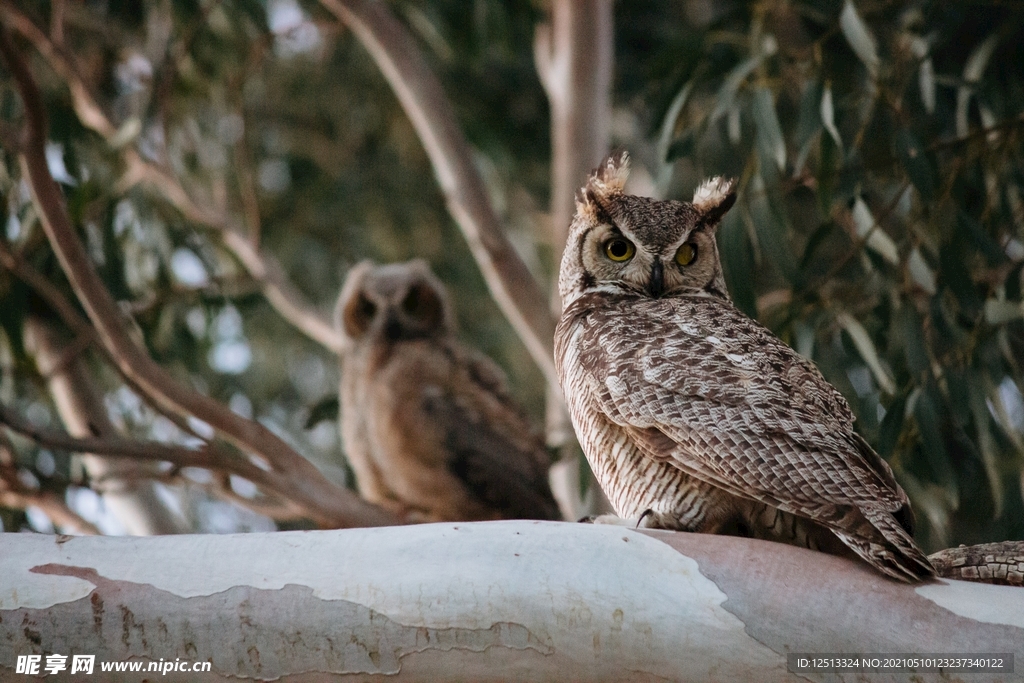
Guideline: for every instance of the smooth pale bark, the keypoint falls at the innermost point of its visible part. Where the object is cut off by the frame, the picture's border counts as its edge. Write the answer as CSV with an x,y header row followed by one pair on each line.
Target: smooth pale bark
x,y
493,601
573,52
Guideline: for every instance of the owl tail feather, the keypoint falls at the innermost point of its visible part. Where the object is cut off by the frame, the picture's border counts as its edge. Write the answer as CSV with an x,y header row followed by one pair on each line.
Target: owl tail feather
x,y
896,556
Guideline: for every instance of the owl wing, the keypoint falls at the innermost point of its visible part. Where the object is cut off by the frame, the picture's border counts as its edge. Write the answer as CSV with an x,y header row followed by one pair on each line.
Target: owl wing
x,y
492,449
697,383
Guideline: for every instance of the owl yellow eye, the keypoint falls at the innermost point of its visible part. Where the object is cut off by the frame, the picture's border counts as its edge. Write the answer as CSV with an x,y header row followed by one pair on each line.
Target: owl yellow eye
x,y
619,249
686,254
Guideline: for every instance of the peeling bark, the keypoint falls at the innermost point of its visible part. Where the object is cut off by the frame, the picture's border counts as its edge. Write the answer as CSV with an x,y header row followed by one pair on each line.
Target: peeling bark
x,y
484,601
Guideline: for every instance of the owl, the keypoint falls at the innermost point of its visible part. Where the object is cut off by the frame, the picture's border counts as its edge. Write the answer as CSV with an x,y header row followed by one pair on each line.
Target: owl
x,y
693,416
428,424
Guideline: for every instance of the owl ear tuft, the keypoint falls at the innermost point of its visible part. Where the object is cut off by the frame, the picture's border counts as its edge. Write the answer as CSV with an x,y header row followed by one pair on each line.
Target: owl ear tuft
x,y
714,197
609,178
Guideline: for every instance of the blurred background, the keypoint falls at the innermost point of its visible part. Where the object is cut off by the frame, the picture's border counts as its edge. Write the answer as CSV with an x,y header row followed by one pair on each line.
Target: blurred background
x,y
879,148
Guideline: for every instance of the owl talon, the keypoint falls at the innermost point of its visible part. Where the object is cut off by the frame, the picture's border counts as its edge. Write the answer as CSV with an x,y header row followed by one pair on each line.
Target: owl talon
x,y
614,520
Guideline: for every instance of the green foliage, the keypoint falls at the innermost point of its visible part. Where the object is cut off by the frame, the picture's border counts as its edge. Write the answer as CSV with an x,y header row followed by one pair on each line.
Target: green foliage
x,y
878,148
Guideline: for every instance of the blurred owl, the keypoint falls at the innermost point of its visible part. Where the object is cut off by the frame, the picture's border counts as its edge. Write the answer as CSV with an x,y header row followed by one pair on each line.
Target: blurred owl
x,y
428,424
695,417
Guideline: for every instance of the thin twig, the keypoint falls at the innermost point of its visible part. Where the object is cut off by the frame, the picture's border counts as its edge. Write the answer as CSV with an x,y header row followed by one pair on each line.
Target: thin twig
x,y
117,447
858,244
74,320
1007,124
49,292
14,493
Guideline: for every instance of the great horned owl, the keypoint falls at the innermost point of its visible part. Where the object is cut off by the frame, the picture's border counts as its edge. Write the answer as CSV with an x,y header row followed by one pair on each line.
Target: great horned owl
x,y
428,424
695,417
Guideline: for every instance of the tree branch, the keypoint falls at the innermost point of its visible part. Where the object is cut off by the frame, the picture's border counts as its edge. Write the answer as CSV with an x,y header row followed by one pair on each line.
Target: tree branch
x,y
261,266
294,476
15,494
488,602
419,91
50,503
49,292
85,105
125,485
209,457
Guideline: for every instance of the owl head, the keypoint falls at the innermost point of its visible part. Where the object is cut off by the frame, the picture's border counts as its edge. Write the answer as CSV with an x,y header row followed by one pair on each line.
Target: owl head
x,y
636,245
391,303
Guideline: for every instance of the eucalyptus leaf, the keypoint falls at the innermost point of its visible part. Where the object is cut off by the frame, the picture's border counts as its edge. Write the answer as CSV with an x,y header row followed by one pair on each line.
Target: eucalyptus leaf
x,y
866,347
773,235
913,341
810,119
929,422
891,428
859,36
737,262
769,132
953,274
828,115
325,410
726,97
973,70
920,272
974,385
868,229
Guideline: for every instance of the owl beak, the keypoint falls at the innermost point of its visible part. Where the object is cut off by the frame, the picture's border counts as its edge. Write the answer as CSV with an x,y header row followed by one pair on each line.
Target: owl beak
x,y
656,285
392,329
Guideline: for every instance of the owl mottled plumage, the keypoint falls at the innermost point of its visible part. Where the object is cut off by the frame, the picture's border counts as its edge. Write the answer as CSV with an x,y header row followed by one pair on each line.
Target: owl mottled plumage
x,y
695,417
428,425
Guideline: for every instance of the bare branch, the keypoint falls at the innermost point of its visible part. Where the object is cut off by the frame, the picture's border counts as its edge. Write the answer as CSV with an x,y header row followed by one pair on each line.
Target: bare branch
x,y
123,483
117,447
17,495
264,505
52,506
263,267
511,285
49,292
294,476
69,314
90,113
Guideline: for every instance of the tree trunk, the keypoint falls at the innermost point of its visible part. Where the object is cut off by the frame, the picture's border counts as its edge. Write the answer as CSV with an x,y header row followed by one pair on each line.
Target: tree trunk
x,y
574,56
491,601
